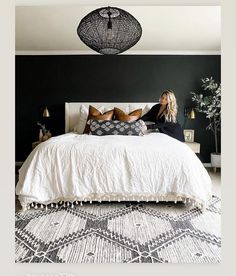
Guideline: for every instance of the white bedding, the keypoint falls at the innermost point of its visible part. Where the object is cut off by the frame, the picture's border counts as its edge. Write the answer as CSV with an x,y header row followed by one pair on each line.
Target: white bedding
x,y
73,167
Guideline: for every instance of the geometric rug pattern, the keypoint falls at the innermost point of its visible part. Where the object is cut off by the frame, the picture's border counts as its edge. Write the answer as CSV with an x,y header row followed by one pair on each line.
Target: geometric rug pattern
x,y
120,233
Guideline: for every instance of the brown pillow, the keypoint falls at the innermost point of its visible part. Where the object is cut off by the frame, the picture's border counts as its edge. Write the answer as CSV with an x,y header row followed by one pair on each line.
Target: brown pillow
x,y
123,117
97,115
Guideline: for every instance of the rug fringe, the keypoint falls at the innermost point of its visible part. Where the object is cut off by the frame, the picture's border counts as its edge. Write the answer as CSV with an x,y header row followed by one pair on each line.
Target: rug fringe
x,y
193,202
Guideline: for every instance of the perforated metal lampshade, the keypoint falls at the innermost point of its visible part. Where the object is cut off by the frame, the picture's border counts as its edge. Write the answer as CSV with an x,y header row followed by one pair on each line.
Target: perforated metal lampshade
x,y
109,30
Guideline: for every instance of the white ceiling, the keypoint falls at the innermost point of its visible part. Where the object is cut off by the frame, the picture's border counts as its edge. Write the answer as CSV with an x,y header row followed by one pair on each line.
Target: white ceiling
x,y
119,2
165,28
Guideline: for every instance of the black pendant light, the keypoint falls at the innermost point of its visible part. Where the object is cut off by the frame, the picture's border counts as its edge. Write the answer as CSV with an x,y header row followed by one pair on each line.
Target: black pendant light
x,y
109,30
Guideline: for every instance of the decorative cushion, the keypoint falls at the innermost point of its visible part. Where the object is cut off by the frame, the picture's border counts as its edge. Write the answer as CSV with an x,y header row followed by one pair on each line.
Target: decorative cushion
x,y
123,117
97,115
125,108
83,116
145,110
108,127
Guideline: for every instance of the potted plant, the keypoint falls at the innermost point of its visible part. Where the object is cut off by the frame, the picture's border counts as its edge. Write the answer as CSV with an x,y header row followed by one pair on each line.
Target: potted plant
x,y
209,103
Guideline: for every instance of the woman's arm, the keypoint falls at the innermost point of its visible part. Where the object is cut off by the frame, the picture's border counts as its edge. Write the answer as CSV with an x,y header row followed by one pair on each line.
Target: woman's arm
x,y
151,114
160,125
172,129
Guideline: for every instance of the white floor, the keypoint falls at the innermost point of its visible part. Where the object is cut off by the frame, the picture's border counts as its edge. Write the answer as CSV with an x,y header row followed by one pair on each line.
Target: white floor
x,y
216,181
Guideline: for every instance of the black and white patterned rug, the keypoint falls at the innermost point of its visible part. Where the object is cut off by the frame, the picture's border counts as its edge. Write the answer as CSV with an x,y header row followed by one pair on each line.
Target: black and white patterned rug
x,y
119,233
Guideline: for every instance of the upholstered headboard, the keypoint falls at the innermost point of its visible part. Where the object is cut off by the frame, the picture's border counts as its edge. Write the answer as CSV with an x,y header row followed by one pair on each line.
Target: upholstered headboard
x,y
72,111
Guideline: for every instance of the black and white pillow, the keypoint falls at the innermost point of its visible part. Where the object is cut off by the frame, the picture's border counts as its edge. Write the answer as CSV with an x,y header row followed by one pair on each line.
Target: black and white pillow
x,y
115,127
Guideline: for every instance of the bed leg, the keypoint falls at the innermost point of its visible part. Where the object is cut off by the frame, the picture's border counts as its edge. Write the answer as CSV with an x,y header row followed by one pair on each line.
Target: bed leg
x,y
24,208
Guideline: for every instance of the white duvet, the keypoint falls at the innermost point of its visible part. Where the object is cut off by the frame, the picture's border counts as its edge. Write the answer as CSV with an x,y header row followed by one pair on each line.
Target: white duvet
x,y
73,167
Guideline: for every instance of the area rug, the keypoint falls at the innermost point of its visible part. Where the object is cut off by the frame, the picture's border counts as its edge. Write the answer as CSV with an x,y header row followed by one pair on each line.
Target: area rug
x,y
120,233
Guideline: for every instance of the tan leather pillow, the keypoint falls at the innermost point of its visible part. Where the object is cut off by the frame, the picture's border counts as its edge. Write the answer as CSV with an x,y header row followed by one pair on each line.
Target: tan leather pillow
x,y
97,115
123,117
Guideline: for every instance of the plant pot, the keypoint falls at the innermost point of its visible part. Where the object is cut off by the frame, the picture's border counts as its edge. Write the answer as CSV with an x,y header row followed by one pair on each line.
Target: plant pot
x,y
216,160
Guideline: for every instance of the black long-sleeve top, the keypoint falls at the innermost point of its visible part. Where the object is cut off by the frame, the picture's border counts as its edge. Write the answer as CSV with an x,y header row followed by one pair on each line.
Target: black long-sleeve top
x,y
172,129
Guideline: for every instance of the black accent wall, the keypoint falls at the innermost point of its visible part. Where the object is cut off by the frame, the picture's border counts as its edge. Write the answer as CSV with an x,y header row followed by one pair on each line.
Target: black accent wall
x,y
54,80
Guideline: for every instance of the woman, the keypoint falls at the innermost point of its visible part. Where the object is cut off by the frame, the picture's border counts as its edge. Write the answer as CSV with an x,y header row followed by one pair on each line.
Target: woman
x,y
164,115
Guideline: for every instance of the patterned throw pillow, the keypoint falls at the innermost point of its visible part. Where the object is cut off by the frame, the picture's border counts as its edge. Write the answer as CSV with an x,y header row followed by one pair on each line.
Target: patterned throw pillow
x,y
108,127
83,117
94,113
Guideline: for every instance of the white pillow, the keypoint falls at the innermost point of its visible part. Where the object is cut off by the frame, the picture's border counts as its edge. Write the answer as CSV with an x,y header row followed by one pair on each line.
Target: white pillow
x,y
83,116
125,108
145,110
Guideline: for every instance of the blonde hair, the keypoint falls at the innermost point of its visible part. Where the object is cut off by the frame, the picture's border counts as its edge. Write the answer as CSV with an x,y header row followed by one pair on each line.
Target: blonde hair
x,y
170,112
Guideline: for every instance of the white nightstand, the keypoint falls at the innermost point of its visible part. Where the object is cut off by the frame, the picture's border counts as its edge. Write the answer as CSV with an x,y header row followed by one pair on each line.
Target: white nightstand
x,y
194,146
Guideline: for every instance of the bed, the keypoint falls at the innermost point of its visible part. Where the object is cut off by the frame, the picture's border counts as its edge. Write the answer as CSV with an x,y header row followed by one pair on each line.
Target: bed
x,y
74,168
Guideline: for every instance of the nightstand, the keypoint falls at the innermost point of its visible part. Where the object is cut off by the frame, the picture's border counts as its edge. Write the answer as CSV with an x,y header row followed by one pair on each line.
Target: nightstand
x,y
35,144
194,146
